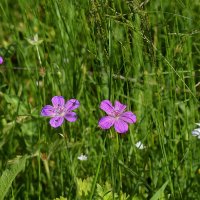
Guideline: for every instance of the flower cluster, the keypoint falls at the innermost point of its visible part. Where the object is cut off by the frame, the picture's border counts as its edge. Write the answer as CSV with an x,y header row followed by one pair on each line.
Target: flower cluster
x,y
117,115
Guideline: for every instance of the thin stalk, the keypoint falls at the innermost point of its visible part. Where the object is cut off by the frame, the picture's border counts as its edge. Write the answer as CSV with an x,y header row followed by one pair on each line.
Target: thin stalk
x,y
38,55
97,173
96,176
110,59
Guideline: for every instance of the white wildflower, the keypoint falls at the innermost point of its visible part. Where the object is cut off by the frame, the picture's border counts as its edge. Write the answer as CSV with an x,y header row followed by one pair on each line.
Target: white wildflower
x,y
82,157
196,132
139,145
35,40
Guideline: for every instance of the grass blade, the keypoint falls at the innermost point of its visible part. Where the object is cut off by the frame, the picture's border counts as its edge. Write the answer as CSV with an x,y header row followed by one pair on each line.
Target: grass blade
x,y
159,193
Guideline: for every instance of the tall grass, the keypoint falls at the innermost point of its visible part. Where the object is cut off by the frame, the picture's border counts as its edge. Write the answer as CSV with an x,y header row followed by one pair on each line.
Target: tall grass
x,y
142,53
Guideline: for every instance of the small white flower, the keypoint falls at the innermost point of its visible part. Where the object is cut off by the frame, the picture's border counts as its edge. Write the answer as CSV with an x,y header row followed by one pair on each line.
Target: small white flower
x,y
35,40
196,132
139,145
82,157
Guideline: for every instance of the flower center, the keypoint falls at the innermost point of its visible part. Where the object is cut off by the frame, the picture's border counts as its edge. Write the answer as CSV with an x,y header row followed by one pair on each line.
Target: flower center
x,y
60,111
116,113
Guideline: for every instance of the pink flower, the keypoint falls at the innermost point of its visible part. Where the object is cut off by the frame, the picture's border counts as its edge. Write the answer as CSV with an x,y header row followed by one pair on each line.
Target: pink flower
x,y
60,111
1,60
117,116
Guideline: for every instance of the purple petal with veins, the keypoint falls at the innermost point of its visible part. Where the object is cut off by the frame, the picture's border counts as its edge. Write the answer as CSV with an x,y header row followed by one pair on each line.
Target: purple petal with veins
x,y
106,122
128,117
119,107
56,121
48,111
72,104
71,116
120,126
58,101
106,106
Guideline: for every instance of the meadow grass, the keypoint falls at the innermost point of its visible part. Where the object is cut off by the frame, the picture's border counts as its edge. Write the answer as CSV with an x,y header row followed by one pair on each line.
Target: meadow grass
x,y
145,54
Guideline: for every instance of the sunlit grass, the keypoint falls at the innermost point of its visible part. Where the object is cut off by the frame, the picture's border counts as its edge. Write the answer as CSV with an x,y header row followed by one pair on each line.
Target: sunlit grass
x,y
144,54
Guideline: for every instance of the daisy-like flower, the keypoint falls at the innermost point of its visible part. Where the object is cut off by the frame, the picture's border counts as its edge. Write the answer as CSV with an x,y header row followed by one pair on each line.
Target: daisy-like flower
x,y
60,111
1,60
117,116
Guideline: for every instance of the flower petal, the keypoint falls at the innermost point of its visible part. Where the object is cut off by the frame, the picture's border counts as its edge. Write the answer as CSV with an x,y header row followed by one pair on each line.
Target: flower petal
x,y
1,60
56,121
139,145
72,104
121,126
71,116
196,132
106,106
82,157
58,101
119,107
128,117
106,122
48,111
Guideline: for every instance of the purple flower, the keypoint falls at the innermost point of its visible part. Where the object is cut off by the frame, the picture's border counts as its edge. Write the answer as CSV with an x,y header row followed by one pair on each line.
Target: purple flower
x,y
116,116
60,111
1,60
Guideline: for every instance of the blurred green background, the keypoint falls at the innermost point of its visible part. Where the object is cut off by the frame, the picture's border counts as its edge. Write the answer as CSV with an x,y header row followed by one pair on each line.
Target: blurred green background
x,y
145,54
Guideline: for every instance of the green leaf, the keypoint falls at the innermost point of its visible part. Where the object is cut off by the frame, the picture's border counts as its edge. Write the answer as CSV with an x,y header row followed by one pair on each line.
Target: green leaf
x,y
9,175
159,193
105,192
61,198
84,186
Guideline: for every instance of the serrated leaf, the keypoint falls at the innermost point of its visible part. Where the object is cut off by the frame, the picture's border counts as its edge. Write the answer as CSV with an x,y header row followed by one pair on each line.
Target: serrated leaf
x,y
84,186
9,175
105,192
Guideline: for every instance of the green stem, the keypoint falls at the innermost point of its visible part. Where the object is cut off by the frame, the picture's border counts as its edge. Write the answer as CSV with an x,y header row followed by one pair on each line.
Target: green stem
x,y
38,55
111,157
97,174
110,59
119,167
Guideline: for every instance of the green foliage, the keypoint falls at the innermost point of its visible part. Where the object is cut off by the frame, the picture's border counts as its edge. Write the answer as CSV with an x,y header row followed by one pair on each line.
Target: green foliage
x,y
61,198
84,186
142,53
160,193
105,192
9,175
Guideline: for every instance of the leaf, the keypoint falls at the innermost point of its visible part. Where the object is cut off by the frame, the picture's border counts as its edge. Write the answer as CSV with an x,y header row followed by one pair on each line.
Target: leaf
x,y
105,192
123,196
9,175
84,186
61,198
159,193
